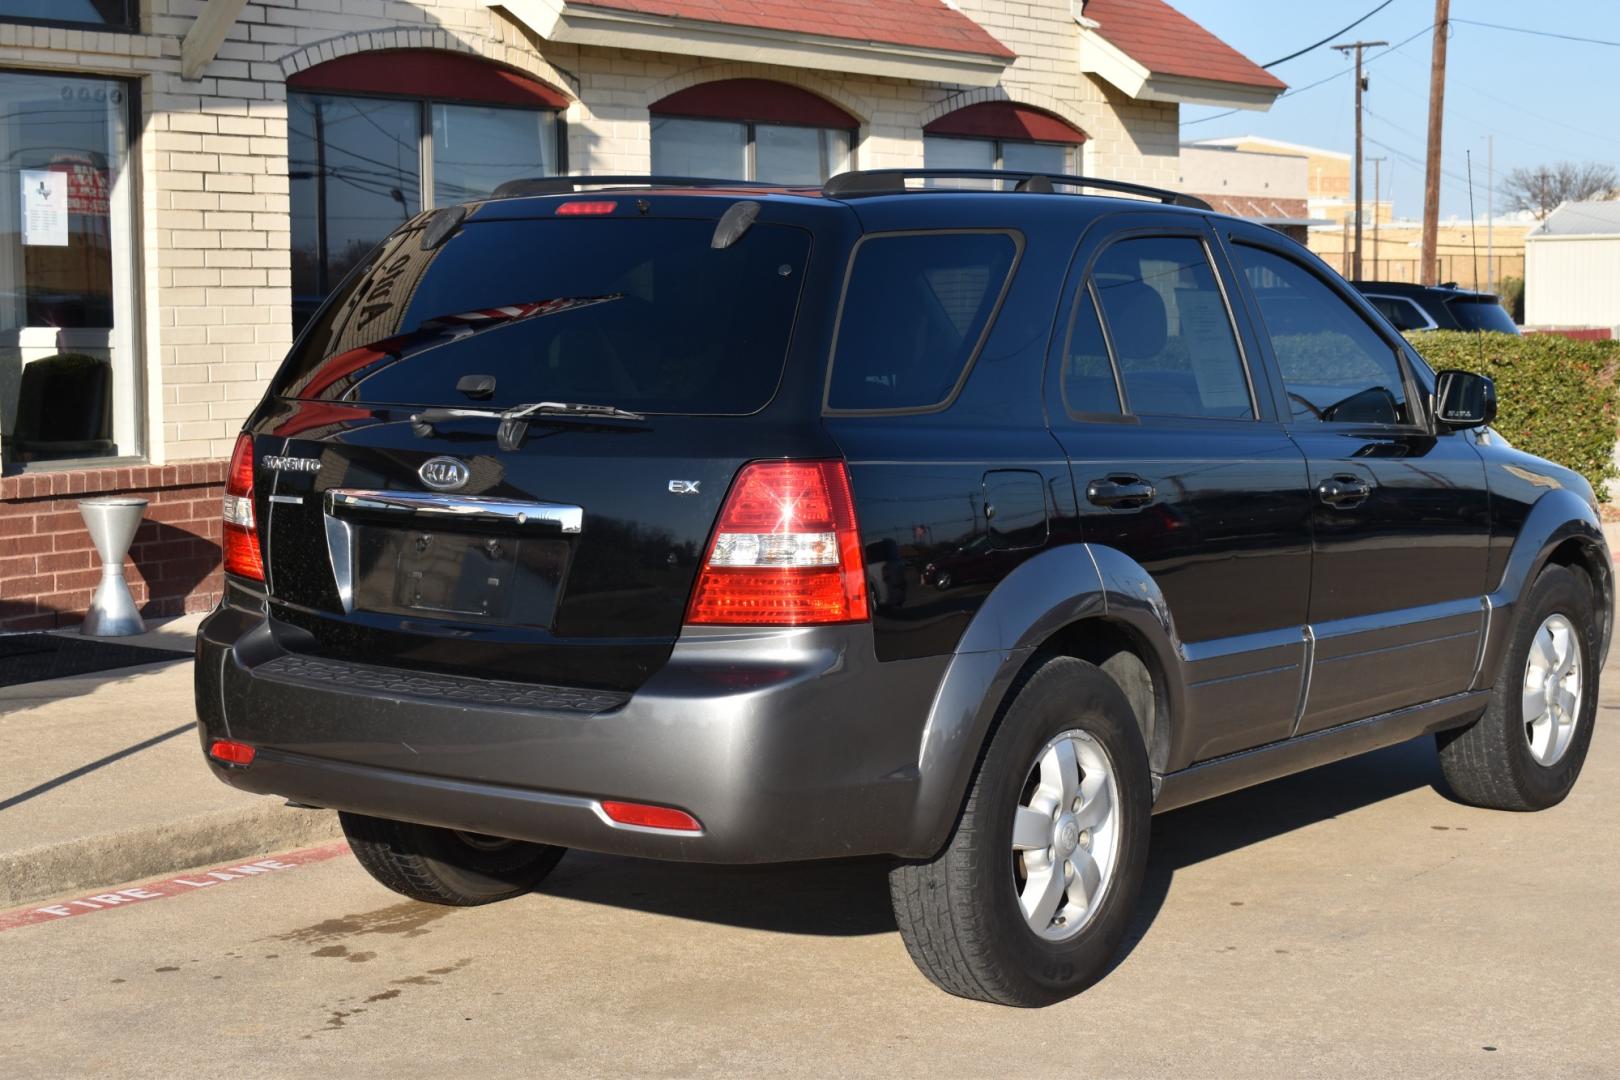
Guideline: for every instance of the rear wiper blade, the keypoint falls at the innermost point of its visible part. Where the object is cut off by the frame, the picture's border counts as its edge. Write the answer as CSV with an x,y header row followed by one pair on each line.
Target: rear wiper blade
x,y
570,408
515,420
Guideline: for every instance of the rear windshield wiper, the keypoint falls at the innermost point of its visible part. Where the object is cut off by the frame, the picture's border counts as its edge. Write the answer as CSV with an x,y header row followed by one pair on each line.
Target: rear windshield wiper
x,y
515,421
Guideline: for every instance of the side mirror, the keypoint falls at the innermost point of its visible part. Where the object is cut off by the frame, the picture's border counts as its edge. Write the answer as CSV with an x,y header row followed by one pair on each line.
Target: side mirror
x,y
1463,399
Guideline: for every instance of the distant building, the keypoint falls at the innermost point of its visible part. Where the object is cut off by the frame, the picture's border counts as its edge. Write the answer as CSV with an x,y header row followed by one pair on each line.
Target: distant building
x,y
1265,187
1572,264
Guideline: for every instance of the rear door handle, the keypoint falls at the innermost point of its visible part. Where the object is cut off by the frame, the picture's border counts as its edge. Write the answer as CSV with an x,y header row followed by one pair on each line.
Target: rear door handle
x,y
1343,491
1123,492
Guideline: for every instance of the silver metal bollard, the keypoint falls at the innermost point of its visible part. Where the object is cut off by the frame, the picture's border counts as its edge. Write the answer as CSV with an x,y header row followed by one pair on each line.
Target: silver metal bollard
x,y
112,522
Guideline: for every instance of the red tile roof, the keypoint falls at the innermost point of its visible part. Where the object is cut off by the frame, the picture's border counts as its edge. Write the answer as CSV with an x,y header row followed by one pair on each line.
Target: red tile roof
x,y
1166,42
923,24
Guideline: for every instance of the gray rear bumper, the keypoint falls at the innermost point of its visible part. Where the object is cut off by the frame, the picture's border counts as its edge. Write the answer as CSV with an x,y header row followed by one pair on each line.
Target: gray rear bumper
x,y
751,732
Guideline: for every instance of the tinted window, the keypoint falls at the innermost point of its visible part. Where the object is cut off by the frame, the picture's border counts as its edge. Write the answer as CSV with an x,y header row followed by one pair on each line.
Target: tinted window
x,y
642,314
1402,313
1335,367
916,309
1172,334
1482,315
1088,377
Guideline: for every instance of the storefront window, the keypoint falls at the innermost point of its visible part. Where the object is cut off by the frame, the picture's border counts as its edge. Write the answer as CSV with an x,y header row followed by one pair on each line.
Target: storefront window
x,y
751,129
940,152
361,166
355,167
69,376
775,153
476,148
107,14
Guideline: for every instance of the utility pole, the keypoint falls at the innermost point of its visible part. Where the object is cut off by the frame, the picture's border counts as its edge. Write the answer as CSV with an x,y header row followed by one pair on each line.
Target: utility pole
x,y
1378,184
1361,85
1431,173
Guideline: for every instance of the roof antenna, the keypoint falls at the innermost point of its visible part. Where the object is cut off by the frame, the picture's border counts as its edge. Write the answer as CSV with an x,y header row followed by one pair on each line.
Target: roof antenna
x,y
1473,242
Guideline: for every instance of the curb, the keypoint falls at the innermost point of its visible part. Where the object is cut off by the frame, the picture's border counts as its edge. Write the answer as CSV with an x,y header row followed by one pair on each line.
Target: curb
x,y
112,858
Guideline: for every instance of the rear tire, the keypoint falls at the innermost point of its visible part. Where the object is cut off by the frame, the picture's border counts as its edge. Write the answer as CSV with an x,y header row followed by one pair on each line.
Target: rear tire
x,y
443,866
969,916
1508,760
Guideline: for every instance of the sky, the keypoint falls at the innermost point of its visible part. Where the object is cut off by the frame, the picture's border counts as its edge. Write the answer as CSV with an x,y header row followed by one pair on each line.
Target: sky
x,y
1543,99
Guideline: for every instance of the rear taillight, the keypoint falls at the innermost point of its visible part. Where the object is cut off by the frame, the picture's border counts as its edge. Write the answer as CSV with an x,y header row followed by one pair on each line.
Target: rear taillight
x,y
786,551
241,534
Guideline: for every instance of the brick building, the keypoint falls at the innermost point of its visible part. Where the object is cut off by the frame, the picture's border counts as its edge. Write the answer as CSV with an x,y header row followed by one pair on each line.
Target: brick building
x,y
182,181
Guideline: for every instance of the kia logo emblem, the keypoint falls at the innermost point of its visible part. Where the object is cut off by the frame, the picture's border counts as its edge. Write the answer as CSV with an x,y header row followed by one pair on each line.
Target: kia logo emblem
x,y
444,474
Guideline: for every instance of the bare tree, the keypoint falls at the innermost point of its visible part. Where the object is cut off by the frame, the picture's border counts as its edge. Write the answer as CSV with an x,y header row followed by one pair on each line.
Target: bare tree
x,y
1544,188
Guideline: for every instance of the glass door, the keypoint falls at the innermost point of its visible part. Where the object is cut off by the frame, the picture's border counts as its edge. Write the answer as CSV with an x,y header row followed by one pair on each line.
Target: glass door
x,y
70,379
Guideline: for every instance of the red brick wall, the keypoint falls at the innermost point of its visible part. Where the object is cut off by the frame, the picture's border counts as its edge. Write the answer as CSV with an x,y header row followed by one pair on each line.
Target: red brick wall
x,y
49,569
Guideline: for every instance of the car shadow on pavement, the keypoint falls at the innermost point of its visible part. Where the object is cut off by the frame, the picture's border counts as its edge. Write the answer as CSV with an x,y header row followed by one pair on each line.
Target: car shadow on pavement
x,y
1208,830
850,897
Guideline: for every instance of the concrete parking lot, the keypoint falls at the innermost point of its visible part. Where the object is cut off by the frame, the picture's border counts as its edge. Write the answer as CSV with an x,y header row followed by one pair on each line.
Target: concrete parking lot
x,y
1348,922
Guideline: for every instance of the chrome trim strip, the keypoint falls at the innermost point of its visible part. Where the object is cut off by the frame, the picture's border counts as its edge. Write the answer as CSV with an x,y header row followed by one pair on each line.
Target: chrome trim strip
x,y
478,508
289,500
1307,665
340,550
1487,608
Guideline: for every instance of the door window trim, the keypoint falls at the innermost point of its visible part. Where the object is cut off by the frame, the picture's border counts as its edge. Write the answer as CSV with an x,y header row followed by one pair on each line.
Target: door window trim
x,y
1088,285
1017,238
1416,397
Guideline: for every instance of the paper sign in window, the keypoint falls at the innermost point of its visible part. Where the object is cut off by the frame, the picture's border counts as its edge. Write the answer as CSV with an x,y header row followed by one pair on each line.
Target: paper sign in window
x,y
44,208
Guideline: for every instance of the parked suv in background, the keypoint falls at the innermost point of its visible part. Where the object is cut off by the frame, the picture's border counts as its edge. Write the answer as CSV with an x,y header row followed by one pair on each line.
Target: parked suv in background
x,y
1437,307
723,523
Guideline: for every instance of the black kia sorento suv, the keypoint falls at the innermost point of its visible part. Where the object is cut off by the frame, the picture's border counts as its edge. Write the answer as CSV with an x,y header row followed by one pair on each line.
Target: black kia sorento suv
x,y
707,521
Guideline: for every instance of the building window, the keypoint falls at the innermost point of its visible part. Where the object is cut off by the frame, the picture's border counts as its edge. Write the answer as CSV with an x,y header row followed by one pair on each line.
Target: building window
x,y
375,139
1002,135
70,385
751,129
102,14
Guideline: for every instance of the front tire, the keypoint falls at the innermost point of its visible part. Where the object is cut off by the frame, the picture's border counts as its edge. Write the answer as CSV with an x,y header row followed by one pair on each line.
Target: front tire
x,y
1032,895
443,866
1526,751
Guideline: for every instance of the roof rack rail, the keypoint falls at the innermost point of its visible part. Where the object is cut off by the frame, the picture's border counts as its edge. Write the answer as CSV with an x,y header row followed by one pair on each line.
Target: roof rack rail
x,y
893,181
565,185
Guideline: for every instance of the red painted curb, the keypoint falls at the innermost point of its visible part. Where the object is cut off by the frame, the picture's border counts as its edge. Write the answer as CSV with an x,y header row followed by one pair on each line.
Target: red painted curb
x,y
168,887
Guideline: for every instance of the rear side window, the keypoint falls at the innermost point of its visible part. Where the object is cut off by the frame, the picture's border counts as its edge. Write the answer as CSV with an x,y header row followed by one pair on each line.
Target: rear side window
x,y
1335,367
1403,314
639,313
1486,315
917,308
1172,334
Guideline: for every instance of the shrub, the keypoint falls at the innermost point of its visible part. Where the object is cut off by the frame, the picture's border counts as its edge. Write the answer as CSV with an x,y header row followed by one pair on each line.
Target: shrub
x,y
1511,290
1557,398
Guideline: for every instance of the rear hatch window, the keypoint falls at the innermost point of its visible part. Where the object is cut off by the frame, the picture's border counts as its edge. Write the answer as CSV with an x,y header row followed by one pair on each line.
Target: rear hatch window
x,y
1482,314
638,313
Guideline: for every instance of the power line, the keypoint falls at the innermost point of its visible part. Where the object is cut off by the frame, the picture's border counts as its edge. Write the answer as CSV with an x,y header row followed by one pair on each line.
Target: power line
x,y
1319,82
1539,33
1331,36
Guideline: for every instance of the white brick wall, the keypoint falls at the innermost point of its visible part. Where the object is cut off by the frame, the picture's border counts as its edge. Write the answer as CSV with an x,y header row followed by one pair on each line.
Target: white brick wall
x,y
214,223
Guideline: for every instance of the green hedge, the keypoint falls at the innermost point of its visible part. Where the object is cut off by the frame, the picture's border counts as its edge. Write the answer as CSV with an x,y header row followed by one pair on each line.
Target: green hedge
x,y
1557,398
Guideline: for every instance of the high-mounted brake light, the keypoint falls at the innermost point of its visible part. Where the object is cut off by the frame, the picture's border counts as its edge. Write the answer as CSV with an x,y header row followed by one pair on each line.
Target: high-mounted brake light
x,y
586,208
242,554
786,551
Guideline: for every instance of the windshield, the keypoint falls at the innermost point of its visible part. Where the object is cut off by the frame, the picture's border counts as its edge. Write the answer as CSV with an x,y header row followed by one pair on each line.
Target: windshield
x,y
1482,314
640,314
